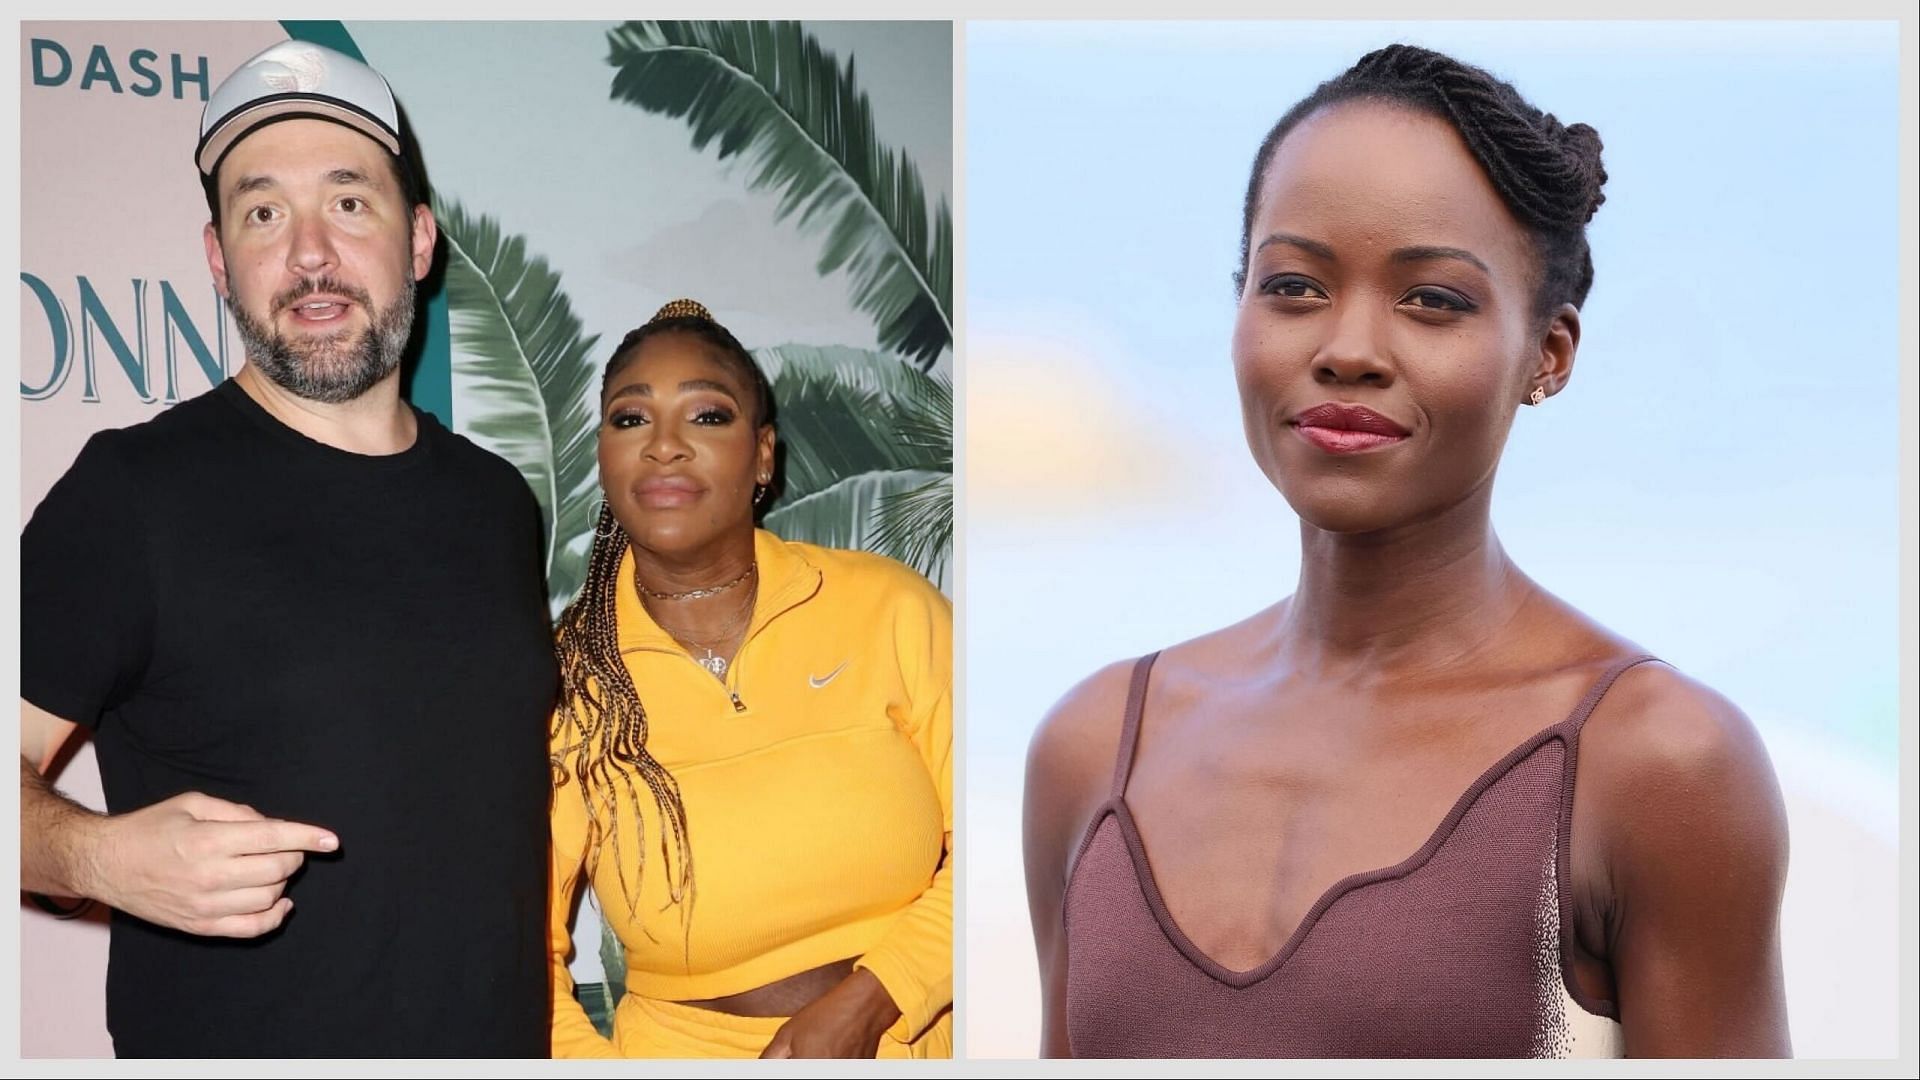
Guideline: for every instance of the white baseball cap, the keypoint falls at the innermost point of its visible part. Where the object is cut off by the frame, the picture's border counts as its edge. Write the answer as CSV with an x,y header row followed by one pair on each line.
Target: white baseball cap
x,y
292,80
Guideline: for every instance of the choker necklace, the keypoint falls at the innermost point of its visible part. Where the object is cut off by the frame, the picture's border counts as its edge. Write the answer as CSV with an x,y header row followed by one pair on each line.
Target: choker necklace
x,y
695,594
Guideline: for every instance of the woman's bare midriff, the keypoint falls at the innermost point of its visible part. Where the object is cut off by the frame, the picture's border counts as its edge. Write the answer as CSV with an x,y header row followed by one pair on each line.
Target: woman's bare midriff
x,y
783,997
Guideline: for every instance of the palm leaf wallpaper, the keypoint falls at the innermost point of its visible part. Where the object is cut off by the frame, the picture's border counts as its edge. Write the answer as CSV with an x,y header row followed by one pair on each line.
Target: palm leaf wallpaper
x,y
905,461
770,95
527,376
866,434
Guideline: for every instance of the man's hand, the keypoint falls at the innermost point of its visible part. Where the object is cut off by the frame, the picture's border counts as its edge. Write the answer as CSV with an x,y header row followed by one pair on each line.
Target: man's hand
x,y
193,863
198,864
845,1022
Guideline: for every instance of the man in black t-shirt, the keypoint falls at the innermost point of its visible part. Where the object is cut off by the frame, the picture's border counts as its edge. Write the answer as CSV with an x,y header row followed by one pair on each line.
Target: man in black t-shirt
x,y
307,627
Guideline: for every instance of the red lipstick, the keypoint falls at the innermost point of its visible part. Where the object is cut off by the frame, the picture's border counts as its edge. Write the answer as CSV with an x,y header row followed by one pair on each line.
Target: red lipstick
x,y
1347,429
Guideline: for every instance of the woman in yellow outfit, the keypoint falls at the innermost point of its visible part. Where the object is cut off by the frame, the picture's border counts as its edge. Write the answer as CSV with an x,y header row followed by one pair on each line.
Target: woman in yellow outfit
x,y
751,754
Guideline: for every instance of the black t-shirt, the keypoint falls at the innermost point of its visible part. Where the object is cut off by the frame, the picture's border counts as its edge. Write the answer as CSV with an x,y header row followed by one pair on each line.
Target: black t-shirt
x,y
356,642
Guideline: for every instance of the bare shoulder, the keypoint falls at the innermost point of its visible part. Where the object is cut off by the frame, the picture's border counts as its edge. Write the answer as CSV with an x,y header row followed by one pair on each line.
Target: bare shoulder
x,y
1072,753
1655,724
1659,722
1671,762
1069,768
1071,760
1069,771
1080,737
1680,868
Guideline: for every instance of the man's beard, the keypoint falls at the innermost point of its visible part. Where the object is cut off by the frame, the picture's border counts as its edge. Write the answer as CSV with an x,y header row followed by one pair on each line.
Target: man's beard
x,y
329,368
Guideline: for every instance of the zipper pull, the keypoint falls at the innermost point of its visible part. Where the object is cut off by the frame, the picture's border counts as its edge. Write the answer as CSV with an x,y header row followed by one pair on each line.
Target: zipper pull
x,y
738,705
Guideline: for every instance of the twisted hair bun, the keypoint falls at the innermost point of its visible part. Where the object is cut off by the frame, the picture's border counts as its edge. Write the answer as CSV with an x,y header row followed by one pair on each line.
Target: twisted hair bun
x,y
1583,145
681,309
1549,175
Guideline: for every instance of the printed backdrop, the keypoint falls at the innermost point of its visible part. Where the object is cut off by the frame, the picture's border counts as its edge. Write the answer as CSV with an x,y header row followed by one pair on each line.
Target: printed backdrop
x,y
794,178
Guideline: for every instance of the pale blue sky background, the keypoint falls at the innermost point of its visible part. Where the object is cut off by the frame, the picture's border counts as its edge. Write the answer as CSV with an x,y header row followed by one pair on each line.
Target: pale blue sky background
x,y
1718,482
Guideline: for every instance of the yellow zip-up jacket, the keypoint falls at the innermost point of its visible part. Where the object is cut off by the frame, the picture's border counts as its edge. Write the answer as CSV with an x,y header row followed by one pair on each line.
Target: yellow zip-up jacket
x,y
818,786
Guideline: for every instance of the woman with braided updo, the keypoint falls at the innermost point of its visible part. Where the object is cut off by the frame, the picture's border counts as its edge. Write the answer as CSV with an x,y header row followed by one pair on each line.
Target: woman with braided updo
x,y
751,751
1350,824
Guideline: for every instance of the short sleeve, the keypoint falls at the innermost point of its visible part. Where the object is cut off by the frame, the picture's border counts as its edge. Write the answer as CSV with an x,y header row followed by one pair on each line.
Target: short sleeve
x,y
86,589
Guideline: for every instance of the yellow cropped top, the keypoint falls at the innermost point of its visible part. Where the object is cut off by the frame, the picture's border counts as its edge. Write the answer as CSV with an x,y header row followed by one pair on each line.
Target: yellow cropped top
x,y
818,788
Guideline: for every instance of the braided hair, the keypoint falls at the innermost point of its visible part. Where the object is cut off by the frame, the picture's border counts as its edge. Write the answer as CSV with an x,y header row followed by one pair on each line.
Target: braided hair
x,y
600,727
1548,174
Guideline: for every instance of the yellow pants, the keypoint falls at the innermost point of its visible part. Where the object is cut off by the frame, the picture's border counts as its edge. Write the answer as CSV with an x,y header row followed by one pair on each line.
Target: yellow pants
x,y
645,1028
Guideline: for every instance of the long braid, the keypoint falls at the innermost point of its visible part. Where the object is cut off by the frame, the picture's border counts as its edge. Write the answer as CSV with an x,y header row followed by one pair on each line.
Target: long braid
x,y
1548,174
601,729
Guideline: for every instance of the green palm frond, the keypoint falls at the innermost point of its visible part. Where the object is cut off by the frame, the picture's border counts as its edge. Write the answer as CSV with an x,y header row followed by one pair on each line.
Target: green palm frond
x,y
838,413
524,372
916,526
848,415
769,93
845,515
925,421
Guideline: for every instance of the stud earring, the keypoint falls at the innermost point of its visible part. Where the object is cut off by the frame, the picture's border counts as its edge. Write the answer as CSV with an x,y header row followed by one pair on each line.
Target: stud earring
x,y
1539,395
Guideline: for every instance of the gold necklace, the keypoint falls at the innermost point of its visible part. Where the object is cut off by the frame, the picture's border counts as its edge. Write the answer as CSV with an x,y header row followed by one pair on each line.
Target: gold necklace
x,y
713,660
695,594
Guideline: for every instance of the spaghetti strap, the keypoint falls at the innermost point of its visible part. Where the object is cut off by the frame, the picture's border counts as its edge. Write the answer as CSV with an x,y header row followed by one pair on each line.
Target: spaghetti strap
x,y
1563,834
1578,718
1130,728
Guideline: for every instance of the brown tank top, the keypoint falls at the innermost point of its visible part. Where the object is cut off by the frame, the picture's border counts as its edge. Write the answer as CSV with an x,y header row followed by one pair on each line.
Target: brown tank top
x,y
1457,951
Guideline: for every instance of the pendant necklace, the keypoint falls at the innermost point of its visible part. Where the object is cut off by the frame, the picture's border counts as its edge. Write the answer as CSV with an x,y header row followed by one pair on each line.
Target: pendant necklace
x,y
712,660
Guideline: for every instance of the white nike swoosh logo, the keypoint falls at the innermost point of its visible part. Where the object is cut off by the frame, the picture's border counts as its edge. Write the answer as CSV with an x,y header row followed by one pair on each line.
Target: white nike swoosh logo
x,y
818,681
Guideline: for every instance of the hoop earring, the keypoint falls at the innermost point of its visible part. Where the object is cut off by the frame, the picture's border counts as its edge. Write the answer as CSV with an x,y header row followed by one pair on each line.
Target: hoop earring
x,y
600,528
